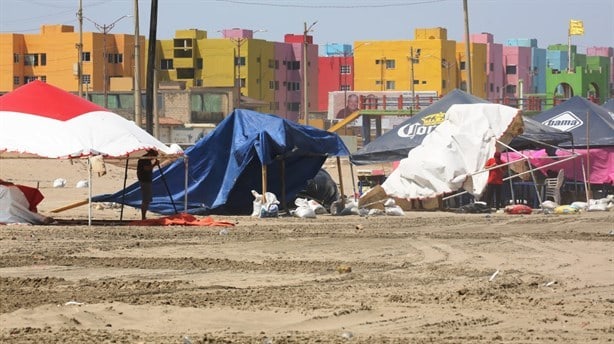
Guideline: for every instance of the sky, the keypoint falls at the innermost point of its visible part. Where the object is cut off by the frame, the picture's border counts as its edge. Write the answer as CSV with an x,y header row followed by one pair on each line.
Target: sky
x,y
331,21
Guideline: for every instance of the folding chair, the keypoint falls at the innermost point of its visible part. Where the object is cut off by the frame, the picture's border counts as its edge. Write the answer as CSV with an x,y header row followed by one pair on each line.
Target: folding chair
x,y
553,187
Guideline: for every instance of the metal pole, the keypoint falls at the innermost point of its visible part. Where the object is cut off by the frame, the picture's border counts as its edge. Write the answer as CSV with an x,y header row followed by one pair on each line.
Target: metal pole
x,y
413,94
467,46
80,51
151,65
104,66
137,67
305,109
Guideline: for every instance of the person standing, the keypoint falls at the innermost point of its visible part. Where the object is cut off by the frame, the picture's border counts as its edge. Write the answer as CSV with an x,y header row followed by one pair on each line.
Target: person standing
x,y
494,187
144,173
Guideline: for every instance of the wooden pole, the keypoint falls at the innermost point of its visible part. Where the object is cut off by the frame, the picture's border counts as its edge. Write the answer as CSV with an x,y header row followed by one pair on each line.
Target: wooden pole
x,y
264,178
340,177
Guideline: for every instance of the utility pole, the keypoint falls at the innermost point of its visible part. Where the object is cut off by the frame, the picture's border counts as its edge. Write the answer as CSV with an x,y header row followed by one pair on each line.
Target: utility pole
x,y
467,46
304,65
137,67
239,42
105,29
151,65
413,94
80,50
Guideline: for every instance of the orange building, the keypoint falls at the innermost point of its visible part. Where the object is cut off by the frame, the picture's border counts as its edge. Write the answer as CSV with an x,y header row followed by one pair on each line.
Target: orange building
x,y
52,56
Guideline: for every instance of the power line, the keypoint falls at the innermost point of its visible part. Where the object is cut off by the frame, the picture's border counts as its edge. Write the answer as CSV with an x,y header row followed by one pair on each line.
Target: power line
x,y
328,4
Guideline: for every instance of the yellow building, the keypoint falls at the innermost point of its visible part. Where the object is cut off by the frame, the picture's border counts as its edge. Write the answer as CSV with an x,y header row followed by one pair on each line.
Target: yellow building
x,y
438,64
479,68
52,56
199,61
387,66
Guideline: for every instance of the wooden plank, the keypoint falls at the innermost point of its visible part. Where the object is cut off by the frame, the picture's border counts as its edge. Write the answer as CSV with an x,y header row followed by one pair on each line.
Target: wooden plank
x,y
344,121
70,206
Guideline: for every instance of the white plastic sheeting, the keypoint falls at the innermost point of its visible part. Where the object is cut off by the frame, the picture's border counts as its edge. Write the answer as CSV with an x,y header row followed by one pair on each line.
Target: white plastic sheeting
x,y
453,155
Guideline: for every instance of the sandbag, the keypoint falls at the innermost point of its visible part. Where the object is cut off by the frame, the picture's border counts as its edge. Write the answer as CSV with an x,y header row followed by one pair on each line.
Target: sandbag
x,y
518,209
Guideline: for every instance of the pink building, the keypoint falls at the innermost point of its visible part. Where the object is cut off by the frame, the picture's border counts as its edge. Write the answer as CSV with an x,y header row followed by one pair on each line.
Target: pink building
x,y
607,52
495,74
295,75
516,67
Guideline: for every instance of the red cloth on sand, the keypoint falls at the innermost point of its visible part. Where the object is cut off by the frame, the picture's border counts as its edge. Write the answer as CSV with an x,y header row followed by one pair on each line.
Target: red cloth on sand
x,y
182,219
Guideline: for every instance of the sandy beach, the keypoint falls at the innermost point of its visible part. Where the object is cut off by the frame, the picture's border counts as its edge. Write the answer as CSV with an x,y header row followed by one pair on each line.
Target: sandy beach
x,y
425,277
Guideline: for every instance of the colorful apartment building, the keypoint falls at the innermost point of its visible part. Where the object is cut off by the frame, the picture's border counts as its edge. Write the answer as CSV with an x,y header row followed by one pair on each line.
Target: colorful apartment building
x,y
335,72
267,74
479,68
588,77
494,71
51,56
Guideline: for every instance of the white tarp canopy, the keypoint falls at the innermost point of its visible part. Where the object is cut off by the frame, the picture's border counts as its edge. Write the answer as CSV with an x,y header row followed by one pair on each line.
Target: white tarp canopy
x,y
452,155
41,120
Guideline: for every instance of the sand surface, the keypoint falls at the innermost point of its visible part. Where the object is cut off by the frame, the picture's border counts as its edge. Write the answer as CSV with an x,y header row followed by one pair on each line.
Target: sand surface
x,y
426,277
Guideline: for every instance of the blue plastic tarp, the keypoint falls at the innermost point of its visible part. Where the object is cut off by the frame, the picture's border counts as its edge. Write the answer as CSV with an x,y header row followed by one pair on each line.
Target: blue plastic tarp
x,y
225,165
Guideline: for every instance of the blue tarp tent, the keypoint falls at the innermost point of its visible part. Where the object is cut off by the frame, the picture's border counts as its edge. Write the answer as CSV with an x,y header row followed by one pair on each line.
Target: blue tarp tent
x,y
226,165
581,117
396,143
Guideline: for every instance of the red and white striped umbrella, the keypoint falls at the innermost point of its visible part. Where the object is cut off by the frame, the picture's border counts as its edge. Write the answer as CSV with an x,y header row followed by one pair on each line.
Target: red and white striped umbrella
x,y
39,119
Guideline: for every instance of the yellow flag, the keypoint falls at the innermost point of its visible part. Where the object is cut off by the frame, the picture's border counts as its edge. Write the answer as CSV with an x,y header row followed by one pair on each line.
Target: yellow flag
x,y
576,27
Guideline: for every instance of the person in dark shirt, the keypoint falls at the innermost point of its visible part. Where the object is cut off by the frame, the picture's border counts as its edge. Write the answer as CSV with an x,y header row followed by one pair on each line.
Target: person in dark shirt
x,y
144,172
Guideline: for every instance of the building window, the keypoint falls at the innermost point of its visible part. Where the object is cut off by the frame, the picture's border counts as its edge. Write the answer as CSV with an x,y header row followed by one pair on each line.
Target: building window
x,y
345,88
510,70
492,67
30,60
378,82
240,61
510,89
198,83
293,65
85,56
185,73
166,64
15,80
492,87
42,78
86,79
346,69
43,59
443,84
295,106
463,65
242,82
27,79
390,85
273,85
114,58
15,58
463,85
390,64
199,63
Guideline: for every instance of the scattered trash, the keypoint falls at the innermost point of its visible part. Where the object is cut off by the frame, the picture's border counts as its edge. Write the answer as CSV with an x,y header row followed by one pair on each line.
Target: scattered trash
x,y
344,269
347,335
59,183
224,231
187,340
82,184
549,283
267,340
73,303
493,276
359,227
